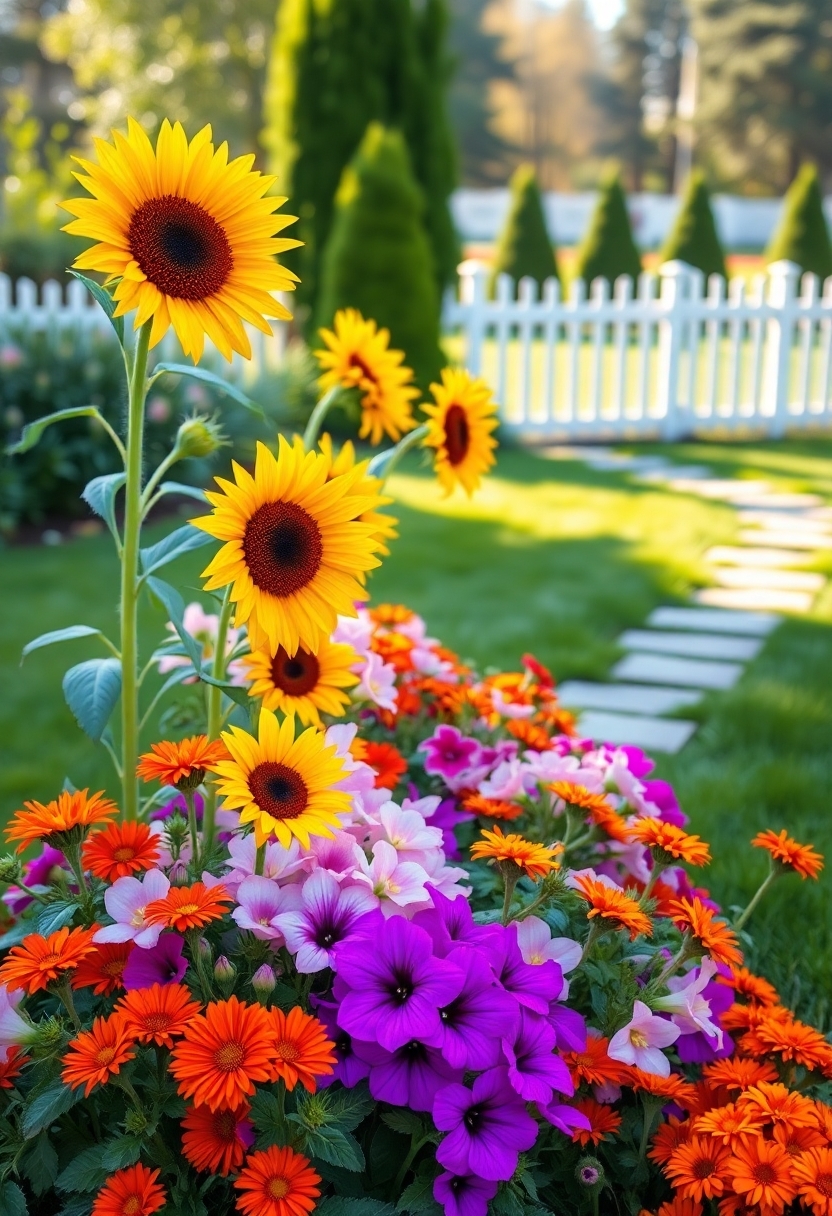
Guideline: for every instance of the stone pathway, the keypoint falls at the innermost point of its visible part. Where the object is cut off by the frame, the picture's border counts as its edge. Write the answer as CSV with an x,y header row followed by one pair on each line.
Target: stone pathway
x,y
684,652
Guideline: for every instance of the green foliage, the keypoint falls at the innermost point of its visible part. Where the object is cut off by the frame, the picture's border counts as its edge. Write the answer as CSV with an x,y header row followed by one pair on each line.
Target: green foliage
x,y
377,258
802,235
693,238
478,63
524,247
608,249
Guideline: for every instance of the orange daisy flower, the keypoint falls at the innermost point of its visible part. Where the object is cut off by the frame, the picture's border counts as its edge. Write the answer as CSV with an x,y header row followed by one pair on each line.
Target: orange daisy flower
x,y
388,762
788,853
670,843
778,1104
761,1171
797,1140
222,1053
40,960
604,1121
579,796
612,824
391,614
214,1141
186,908
12,1066
103,969
158,1013
699,1168
823,1114
121,849
780,1034
667,1139
812,1175
730,1123
277,1182
672,1088
302,1050
493,808
183,764
529,734
130,1192
536,860
64,821
613,904
714,936
757,990
736,1073
680,1207
593,1065
96,1055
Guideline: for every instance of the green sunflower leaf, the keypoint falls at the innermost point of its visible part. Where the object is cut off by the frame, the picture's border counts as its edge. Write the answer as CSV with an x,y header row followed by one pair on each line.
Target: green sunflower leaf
x,y
91,690
12,1200
102,296
200,373
176,544
32,433
100,496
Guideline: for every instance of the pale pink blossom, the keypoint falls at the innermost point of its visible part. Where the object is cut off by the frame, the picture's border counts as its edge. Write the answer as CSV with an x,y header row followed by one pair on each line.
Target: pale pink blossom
x,y
203,626
444,878
377,682
509,709
126,901
279,863
505,782
641,1040
396,883
687,1006
261,902
359,777
408,833
339,855
355,631
14,1032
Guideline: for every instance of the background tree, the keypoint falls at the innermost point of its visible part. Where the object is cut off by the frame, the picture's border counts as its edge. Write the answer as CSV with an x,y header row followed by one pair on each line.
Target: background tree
x,y
524,247
608,249
377,257
693,237
479,63
802,235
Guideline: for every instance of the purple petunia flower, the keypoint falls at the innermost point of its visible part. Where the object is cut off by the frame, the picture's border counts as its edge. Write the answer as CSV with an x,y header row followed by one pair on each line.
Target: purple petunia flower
x,y
163,963
178,805
488,1127
565,1118
411,1076
49,865
569,1028
449,752
464,1194
392,988
662,795
450,923
447,817
350,1068
472,1024
535,986
534,1071
326,917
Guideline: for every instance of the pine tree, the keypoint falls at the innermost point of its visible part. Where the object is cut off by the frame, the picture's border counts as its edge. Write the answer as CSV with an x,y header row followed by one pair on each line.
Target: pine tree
x,y
524,247
802,235
693,238
377,258
608,249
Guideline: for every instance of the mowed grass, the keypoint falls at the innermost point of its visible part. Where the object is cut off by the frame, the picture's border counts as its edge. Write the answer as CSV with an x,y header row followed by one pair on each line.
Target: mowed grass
x,y
549,557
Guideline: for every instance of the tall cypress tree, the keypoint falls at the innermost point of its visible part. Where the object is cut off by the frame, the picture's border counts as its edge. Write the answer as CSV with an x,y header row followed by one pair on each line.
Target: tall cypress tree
x,y
524,247
693,238
802,235
608,249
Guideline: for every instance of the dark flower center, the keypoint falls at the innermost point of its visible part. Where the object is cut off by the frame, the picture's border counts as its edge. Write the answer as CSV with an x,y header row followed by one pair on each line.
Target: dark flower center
x,y
703,1168
402,988
472,1118
366,371
414,1050
295,675
180,247
765,1173
283,548
457,434
278,790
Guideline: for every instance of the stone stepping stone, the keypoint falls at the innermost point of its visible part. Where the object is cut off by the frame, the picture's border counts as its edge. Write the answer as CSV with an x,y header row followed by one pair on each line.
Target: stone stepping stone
x,y
714,620
780,580
652,734
792,521
780,501
679,472
792,538
663,669
768,559
755,599
691,645
731,491
627,698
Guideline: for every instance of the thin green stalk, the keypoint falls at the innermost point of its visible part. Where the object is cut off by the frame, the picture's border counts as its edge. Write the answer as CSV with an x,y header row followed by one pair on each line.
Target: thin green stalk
x,y
218,671
385,462
761,890
129,576
188,795
415,1145
316,418
260,858
64,995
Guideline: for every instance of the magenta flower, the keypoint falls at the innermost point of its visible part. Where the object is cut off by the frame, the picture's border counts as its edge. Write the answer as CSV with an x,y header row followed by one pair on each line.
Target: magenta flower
x,y
326,917
350,1068
534,1070
472,1025
126,901
641,1040
412,1076
450,923
42,871
488,1127
449,752
463,1194
163,963
261,902
565,1118
569,1028
535,986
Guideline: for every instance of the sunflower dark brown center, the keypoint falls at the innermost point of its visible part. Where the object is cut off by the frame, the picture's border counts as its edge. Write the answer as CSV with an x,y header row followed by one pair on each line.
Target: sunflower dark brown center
x,y
367,372
457,434
180,247
278,790
282,548
296,675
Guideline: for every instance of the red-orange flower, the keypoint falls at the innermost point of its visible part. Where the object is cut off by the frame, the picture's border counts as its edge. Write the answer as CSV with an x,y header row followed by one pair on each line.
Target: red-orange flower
x,y
186,908
761,1171
301,1048
730,1123
603,1121
787,852
388,762
215,1141
797,1140
812,1175
698,1168
579,796
536,860
277,1182
777,1033
529,734
68,817
737,1073
714,936
593,1065
668,1138
672,1088
223,1052
775,1103
121,849
130,1192
614,905
96,1055
103,968
12,1066
159,1013
757,990
184,763
493,808
40,960
670,842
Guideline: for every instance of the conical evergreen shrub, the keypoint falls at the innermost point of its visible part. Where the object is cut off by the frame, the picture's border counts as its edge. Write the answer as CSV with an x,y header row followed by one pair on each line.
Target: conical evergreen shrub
x,y
524,247
802,235
608,249
693,238
377,258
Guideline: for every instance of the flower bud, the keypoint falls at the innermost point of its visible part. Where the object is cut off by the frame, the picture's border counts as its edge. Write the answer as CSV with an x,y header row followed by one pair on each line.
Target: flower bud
x,y
204,948
47,1038
198,437
11,869
224,971
589,1172
178,874
264,982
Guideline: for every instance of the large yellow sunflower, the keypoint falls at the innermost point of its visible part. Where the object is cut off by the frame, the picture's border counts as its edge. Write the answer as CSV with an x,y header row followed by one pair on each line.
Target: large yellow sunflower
x,y
344,461
280,784
189,235
294,550
358,355
304,683
460,425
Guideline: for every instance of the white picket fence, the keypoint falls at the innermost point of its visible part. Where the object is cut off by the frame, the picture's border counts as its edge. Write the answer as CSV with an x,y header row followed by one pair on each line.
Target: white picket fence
x,y
669,360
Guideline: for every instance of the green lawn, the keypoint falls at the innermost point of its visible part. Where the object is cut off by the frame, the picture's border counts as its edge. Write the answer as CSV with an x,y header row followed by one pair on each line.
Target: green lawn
x,y
555,558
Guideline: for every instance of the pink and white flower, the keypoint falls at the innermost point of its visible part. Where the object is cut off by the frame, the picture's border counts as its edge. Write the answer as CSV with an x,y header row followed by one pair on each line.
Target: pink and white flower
x,y
14,1032
396,883
377,682
126,901
325,916
641,1040
260,903
687,1006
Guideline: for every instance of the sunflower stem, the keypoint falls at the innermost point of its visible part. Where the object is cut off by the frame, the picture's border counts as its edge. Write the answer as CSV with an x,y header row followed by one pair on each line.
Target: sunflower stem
x,y
761,890
383,464
129,577
218,669
316,418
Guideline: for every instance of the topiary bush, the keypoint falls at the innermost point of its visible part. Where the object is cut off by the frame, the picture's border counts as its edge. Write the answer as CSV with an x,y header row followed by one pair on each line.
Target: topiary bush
x,y
524,247
377,258
802,235
608,249
693,238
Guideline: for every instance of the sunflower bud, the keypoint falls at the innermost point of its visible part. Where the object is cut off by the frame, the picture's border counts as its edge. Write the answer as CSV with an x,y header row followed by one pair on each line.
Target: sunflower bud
x,y
225,972
264,982
198,437
11,869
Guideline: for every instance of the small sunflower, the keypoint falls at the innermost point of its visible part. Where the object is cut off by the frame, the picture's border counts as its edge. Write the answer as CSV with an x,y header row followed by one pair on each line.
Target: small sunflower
x,y
189,236
284,786
460,426
307,684
358,355
344,461
294,552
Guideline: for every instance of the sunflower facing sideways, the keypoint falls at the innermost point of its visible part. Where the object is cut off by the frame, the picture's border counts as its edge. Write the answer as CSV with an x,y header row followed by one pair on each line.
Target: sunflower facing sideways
x,y
188,235
344,461
460,426
282,785
294,552
304,683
